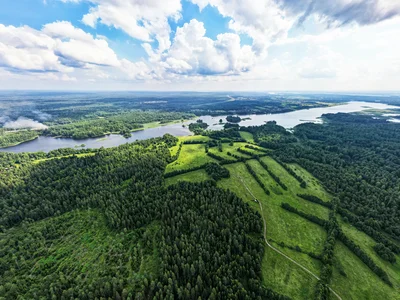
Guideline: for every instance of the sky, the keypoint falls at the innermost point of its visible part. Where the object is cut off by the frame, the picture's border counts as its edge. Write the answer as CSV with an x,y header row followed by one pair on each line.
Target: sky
x,y
200,45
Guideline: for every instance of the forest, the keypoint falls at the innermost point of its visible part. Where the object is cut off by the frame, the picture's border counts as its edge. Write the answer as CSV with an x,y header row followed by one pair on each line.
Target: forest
x,y
254,212
11,138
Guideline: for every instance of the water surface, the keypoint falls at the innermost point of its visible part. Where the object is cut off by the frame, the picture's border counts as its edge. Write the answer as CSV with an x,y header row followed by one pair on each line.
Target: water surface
x,y
287,120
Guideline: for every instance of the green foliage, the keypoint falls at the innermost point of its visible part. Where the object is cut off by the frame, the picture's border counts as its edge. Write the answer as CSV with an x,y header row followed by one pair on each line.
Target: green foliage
x,y
198,127
233,119
12,138
385,253
75,254
122,123
216,172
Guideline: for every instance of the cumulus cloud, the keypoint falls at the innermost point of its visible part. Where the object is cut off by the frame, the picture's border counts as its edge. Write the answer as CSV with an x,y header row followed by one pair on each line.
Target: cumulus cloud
x,y
58,47
192,53
23,122
73,46
27,49
58,50
264,21
143,20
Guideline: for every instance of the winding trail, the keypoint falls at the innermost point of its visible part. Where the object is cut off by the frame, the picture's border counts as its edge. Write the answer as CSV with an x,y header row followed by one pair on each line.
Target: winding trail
x,y
275,249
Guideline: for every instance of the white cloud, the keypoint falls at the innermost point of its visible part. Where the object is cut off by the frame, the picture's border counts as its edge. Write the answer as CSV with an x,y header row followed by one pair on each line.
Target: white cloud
x,y
143,20
26,49
73,45
58,47
263,20
192,53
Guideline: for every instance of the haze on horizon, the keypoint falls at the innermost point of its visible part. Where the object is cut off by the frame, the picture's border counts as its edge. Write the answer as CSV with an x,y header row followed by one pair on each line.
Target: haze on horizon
x,y
200,45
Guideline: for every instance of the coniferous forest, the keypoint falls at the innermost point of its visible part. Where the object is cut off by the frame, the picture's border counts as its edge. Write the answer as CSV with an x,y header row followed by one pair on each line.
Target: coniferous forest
x,y
245,212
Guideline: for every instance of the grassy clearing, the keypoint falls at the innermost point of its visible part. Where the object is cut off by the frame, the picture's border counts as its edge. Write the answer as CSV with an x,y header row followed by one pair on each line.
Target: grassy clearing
x,y
367,243
280,274
173,150
36,161
247,136
360,282
312,183
195,176
233,149
191,156
228,148
290,196
282,226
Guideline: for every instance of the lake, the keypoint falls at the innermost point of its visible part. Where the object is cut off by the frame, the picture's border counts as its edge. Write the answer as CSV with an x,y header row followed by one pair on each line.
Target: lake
x,y
287,120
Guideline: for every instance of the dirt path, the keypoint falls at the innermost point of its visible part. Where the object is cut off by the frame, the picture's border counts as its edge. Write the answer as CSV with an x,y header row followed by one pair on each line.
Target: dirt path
x,y
277,250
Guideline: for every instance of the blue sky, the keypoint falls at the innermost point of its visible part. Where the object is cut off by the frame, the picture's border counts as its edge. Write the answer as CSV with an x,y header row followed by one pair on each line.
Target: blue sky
x,y
199,45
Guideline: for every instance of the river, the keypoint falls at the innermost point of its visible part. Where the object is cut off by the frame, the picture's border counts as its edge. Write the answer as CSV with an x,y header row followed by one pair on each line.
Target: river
x,y
287,120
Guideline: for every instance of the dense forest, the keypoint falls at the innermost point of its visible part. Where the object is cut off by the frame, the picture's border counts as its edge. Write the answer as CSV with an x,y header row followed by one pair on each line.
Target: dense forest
x,y
357,158
208,240
10,138
103,223
122,123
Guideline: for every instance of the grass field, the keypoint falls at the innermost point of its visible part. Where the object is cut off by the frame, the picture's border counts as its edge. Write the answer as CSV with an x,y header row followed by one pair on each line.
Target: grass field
x,y
282,226
173,150
195,176
191,155
247,136
278,273
228,148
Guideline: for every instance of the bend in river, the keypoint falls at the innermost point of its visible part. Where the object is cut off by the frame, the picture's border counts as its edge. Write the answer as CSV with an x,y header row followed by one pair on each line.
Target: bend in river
x,y
287,120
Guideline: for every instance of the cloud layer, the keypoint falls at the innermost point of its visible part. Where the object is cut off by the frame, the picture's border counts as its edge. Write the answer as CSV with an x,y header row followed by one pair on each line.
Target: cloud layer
x,y
61,52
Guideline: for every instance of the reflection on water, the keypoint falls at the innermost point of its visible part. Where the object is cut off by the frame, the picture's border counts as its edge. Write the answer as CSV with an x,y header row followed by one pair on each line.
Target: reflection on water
x,y
287,120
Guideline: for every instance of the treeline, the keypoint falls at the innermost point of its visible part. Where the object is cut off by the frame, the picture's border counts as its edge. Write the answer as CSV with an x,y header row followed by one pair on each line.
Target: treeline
x,y
376,235
122,123
288,169
309,217
364,257
222,160
217,172
327,257
344,239
183,171
270,135
258,149
11,138
209,242
257,178
315,199
229,134
176,156
194,142
273,175
249,153
357,158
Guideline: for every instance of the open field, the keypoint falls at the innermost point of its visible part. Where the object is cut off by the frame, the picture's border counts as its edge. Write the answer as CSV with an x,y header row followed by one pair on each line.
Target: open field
x,y
192,155
352,279
247,136
195,176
